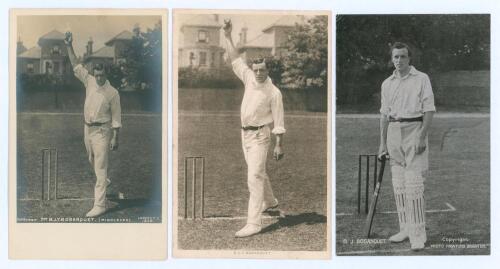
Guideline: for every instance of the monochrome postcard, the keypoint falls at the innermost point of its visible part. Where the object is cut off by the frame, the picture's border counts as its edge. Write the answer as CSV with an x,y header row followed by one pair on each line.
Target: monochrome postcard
x,y
251,134
88,134
413,134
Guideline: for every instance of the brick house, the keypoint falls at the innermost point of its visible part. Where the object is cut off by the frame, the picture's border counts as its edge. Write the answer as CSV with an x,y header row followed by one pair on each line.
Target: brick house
x,y
272,41
112,53
49,57
200,43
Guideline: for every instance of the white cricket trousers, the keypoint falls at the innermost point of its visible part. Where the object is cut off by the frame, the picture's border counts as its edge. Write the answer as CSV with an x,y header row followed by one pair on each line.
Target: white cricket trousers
x,y
97,140
255,147
408,176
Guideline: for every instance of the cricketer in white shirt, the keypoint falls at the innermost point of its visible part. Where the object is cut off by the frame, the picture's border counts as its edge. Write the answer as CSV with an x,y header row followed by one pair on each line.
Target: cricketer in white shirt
x,y
262,105
102,122
407,108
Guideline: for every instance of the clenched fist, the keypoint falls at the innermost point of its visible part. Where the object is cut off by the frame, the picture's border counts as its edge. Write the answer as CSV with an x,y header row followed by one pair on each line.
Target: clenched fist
x,y
68,39
228,27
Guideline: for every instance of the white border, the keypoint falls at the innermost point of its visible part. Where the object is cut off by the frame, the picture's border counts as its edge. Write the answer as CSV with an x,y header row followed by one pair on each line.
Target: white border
x,y
337,7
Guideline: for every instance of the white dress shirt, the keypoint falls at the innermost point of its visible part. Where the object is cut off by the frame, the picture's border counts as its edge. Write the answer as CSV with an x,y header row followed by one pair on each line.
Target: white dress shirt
x,y
102,103
407,97
262,102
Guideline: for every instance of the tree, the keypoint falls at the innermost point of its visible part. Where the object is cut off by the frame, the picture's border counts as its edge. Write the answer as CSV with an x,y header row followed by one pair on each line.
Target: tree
x,y
439,43
306,64
142,67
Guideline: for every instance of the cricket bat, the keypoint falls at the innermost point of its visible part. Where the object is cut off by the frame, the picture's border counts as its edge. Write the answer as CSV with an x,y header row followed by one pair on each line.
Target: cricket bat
x,y
373,203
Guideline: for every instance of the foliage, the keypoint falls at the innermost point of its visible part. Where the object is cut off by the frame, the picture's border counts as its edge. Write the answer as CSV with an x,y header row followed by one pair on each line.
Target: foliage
x,y
142,68
276,69
193,77
306,64
143,61
47,82
439,43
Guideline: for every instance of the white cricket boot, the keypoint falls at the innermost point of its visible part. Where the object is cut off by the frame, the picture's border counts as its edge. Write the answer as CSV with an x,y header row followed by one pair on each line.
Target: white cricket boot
x,y
96,211
248,230
399,237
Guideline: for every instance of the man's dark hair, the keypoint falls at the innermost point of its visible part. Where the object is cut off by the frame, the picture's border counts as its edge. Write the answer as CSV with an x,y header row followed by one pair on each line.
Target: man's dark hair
x,y
400,45
260,61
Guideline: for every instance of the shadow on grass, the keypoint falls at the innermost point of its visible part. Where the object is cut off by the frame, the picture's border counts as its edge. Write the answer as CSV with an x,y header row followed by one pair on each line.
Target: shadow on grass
x,y
310,218
123,204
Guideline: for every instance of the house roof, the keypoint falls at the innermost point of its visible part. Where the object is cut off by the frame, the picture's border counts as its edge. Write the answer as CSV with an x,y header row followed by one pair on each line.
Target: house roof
x,y
286,21
20,48
202,20
261,41
33,53
52,35
124,35
104,52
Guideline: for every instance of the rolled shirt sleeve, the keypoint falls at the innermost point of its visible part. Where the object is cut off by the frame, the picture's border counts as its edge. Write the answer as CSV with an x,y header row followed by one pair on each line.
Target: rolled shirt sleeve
x,y
116,112
427,95
81,73
241,70
278,113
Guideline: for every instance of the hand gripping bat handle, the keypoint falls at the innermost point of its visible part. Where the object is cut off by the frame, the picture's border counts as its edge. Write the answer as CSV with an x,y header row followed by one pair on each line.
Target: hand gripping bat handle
x,y
373,204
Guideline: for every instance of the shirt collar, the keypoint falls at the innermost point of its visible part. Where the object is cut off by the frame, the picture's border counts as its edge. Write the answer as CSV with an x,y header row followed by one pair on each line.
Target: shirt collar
x,y
266,82
413,71
106,84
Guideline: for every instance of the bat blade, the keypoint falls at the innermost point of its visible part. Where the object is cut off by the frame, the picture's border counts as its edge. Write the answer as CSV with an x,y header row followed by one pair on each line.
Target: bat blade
x,y
373,203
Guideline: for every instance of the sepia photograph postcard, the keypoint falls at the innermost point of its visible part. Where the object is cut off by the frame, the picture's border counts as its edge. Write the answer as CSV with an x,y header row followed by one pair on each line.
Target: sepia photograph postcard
x,y
413,134
251,135
88,134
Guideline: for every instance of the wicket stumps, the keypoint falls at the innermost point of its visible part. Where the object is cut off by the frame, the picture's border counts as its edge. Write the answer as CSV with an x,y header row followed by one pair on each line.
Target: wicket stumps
x,y
50,160
194,160
365,158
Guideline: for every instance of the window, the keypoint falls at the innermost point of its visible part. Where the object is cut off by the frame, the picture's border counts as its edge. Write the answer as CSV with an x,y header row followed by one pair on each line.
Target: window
x,y
202,36
191,58
56,68
48,68
30,68
56,50
212,60
203,58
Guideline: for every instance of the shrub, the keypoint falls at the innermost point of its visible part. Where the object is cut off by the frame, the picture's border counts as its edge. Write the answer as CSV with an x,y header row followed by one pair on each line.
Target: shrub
x,y
192,77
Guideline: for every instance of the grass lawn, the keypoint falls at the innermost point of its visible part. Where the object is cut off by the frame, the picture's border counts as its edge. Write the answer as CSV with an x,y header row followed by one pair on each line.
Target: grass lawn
x,y
135,169
299,182
459,175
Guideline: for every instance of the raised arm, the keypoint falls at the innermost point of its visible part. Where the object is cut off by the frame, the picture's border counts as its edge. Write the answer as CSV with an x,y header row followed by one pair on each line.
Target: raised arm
x,y
68,40
231,50
80,72
240,68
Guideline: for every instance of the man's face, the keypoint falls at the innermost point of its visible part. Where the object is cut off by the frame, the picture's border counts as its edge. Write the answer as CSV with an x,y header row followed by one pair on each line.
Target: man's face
x,y
100,77
260,72
400,59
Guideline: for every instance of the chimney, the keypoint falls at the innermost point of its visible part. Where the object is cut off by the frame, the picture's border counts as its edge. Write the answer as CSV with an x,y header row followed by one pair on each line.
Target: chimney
x,y
244,31
216,17
89,46
20,47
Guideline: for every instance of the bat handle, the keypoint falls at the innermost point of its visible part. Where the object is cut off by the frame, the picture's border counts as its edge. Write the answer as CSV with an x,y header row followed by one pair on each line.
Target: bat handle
x,y
383,156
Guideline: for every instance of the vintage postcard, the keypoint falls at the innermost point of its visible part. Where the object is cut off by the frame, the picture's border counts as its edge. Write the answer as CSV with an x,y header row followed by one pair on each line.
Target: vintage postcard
x,y
87,146
413,134
251,134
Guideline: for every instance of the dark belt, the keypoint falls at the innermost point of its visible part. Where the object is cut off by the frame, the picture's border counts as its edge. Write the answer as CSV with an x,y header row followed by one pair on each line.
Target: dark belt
x,y
94,124
391,119
251,128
